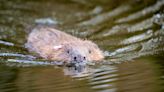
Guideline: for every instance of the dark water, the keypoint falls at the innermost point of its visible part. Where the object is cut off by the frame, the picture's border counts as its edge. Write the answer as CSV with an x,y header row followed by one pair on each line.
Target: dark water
x,y
130,32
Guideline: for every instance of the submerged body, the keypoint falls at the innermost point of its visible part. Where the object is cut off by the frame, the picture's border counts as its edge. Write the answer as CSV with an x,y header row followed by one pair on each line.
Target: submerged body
x,y
56,45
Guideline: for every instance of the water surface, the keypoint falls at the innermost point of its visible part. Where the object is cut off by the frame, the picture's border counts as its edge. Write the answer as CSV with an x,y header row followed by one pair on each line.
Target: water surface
x,y
130,32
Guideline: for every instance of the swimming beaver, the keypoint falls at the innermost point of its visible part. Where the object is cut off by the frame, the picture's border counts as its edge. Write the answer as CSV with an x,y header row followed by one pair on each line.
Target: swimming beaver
x,y
53,44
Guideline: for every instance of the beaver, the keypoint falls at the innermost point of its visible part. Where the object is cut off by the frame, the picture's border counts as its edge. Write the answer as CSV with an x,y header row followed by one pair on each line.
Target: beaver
x,y
53,44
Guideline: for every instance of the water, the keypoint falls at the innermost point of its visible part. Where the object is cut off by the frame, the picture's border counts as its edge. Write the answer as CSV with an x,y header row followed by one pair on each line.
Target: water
x,y
130,32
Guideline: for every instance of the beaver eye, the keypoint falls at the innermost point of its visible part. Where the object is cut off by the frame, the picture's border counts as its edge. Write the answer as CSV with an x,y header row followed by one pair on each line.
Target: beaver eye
x,y
89,51
68,51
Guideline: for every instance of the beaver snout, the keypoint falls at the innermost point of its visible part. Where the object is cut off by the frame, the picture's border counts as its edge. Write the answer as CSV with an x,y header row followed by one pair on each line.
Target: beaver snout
x,y
79,59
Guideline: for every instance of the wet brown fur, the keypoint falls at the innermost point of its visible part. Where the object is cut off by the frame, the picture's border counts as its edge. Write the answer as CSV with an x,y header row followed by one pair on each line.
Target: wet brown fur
x,y
43,39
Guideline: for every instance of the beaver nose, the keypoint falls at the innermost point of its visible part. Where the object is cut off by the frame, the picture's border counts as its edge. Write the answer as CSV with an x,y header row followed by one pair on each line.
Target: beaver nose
x,y
79,58
75,58
84,58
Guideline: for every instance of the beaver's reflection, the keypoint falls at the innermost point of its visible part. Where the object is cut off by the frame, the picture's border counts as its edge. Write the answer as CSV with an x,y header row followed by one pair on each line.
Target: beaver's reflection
x,y
50,79
77,71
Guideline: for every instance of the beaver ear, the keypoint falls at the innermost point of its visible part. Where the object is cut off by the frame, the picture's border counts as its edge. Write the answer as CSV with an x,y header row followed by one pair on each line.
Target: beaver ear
x,y
57,47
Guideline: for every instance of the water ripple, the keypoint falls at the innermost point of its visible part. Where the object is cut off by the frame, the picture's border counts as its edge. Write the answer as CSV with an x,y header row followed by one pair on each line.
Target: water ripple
x,y
105,16
130,32
143,12
138,38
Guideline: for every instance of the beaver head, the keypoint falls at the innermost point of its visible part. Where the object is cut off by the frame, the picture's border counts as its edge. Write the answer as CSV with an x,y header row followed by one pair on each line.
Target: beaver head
x,y
77,51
